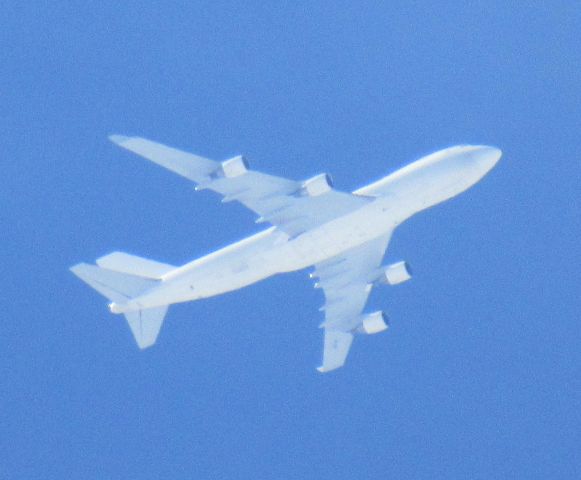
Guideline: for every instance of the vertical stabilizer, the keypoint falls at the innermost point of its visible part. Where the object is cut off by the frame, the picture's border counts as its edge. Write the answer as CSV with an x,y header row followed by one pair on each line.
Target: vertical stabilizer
x,y
145,325
121,287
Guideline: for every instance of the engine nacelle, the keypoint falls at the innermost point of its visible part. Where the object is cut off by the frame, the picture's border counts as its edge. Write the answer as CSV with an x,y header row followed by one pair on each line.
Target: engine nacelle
x,y
234,167
313,187
374,323
396,273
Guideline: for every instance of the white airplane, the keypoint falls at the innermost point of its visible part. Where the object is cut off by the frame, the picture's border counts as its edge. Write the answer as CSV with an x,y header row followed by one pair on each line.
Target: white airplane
x,y
343,235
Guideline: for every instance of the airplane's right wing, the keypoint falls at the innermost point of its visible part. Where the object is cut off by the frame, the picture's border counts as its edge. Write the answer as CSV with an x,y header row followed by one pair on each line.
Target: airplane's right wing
x,y
346,280
292,206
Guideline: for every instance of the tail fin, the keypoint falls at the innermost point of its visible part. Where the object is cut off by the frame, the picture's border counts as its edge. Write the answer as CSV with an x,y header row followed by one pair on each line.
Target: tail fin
x,y
119,288
145,325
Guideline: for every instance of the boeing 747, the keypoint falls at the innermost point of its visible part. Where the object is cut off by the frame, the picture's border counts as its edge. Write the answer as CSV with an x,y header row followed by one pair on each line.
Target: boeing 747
x,y
344,236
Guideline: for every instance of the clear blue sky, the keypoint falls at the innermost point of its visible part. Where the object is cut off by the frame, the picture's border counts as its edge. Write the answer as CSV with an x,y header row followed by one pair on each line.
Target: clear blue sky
x,y
479,376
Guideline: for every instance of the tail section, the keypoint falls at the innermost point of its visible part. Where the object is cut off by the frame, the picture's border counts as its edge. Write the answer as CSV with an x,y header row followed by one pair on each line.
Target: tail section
x,y
145,325
133,265
120,287
117,287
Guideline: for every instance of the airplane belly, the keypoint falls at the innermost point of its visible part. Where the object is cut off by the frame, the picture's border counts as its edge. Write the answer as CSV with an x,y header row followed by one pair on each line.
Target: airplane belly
x,y
226,278
243,267
213,278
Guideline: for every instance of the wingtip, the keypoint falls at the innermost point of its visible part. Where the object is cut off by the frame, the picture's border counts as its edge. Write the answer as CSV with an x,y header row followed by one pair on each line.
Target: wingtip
x,y
321,369
119,139
75,268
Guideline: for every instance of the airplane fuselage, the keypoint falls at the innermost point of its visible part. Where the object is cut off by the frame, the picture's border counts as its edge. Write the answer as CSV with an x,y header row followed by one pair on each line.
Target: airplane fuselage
x,y
392,200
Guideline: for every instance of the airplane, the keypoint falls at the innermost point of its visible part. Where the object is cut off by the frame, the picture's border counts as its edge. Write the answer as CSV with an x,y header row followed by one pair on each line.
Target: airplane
x,y
344,236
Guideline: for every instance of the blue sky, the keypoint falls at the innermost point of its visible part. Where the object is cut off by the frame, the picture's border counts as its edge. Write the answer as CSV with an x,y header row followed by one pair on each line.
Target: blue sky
x,y
478,377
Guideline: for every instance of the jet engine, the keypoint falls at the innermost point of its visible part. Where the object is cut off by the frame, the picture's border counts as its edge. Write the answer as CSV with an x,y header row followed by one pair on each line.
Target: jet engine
x,y
313,187
373,323
234,167
396,273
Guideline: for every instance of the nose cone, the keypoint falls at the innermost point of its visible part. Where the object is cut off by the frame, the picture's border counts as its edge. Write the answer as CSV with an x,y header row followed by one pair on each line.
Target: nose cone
x,y
486,157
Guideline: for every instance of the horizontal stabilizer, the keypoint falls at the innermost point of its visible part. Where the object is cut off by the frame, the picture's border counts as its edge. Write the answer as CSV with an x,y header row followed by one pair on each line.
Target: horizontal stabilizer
x,y
133,265
117,287
145,325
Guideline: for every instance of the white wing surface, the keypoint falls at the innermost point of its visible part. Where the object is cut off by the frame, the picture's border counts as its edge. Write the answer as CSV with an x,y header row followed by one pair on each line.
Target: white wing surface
x,y
292,206
346,280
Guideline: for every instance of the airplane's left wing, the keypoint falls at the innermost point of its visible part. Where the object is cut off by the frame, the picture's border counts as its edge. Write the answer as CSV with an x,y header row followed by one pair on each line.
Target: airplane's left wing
x,y
292,206
347,280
